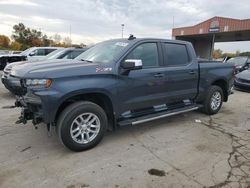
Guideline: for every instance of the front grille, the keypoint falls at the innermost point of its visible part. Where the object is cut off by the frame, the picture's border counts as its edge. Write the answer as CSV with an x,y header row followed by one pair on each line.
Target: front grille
x,y
5,74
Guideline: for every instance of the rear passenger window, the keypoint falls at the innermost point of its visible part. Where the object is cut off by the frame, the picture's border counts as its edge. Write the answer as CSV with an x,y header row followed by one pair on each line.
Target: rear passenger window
x,y
147,52
175,54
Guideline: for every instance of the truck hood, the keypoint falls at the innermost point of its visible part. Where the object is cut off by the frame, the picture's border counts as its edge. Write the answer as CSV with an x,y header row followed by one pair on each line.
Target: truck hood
x,y
57,68
11,65
244,75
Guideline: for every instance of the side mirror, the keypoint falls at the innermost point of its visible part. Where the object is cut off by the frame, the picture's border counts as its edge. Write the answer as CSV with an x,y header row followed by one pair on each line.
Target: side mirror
x,y
132,64
32,54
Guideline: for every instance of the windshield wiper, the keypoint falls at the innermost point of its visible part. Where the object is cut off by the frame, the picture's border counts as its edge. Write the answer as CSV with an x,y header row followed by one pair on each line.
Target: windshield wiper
x,y
87,60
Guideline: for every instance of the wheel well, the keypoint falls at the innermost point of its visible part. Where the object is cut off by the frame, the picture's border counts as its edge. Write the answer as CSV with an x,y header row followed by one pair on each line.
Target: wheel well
x,y
98,98
223,85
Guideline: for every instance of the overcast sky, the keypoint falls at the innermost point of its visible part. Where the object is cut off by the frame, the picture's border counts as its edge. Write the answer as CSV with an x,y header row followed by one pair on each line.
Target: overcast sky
x,y
92,21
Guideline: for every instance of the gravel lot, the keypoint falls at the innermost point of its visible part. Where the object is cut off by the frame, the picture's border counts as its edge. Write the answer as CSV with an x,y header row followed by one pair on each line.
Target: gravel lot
x,y
188,150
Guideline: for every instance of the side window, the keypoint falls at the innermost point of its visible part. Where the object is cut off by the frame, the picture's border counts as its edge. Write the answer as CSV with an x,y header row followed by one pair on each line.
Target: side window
x,y
147,52
47,51
176,54
39,52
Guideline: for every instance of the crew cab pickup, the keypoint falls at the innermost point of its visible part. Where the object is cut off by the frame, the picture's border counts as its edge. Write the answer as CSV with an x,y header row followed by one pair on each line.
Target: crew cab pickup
x,y
120,82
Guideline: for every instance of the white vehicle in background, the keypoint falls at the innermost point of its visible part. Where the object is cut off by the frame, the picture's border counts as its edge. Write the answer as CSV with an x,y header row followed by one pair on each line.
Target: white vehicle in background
x,y
30,54
38,53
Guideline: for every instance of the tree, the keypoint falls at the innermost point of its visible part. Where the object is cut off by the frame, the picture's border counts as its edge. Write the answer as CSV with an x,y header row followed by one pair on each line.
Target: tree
x,y
67,41
46,41
20,33
245,54
36,42
26,36
217,54
237,53
57,38
16,46
4,41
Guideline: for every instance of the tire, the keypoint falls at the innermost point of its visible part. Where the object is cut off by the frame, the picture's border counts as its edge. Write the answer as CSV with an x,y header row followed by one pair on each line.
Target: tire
x,y
209,106
74,132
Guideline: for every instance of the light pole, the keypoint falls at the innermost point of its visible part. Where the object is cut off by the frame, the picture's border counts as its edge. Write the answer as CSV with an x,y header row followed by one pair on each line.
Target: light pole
x,y
122,29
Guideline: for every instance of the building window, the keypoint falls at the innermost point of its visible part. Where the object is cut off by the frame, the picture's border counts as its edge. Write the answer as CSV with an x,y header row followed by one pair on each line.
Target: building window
x,y
182,32
201,30
226,28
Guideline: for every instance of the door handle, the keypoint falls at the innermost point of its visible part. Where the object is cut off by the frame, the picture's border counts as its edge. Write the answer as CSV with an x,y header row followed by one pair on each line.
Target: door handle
x,y
192,72
158,75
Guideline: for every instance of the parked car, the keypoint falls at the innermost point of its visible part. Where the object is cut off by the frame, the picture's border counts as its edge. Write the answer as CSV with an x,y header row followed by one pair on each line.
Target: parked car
x,y
2,52
120,82
31,54
241,63
64,53
242,80
10,58
38,53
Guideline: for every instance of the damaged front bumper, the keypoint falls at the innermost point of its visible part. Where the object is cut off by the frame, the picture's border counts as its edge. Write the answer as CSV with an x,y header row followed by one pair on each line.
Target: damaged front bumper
x,y
31,109
38,106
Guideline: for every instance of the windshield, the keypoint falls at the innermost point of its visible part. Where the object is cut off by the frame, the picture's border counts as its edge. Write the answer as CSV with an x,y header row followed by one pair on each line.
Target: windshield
x,y
55,54
103,52
238,60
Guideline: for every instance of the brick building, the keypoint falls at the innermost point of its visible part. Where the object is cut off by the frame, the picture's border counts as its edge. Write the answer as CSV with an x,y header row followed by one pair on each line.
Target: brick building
x,y
216,29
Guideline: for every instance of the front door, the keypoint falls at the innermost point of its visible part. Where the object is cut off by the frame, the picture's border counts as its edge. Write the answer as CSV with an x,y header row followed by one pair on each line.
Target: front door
x,y
142,88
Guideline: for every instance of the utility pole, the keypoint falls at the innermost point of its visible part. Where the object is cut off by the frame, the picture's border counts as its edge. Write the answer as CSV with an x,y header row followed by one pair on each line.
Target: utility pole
x,y
70,35
122,29
212,47
173,28
173,21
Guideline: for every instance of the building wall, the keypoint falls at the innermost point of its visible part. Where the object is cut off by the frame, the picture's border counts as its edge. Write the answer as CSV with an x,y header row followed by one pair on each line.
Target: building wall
x,y
224,25
219,29
203,48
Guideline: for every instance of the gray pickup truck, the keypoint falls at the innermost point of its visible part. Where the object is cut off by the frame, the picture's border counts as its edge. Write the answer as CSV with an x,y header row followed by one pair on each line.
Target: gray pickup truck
x,y
120,82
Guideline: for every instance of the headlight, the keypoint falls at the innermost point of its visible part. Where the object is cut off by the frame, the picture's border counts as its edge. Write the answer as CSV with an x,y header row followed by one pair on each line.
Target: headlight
x,y
239,67
38,83
13,72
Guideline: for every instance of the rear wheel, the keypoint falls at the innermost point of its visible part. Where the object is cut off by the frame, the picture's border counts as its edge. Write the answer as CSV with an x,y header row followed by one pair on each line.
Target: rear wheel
x,y
81,126
213,101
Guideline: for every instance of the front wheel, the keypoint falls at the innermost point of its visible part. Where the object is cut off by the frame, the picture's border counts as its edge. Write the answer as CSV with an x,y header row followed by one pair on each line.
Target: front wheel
x,y
81,126
213,101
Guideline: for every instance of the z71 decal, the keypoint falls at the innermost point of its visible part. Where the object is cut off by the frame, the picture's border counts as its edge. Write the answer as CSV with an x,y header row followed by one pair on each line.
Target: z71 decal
x,y
108,69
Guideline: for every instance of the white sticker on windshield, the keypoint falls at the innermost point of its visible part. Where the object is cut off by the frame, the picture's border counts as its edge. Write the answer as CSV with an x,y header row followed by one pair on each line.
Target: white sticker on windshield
x,y
123,44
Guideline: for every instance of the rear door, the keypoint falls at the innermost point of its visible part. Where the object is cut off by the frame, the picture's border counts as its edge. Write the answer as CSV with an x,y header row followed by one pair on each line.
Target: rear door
x,y
181,72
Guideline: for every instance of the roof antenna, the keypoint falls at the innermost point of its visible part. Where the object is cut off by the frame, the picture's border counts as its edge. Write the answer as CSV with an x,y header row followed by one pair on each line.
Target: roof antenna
x,y
131,37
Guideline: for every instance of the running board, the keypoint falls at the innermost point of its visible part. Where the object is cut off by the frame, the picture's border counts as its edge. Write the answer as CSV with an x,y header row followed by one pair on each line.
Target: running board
x,y
162,114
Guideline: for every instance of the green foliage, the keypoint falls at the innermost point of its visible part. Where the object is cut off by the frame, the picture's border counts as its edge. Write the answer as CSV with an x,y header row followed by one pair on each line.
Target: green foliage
x,y
4,41
217,53
27,37
244,54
